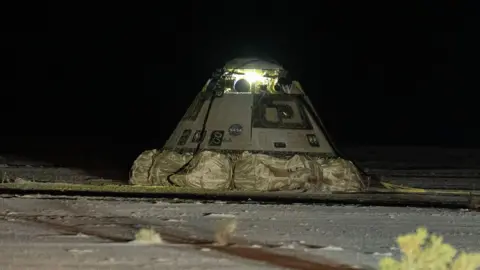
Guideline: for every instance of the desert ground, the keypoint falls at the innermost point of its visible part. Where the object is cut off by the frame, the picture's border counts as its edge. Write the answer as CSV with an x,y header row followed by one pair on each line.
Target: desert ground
x,y
59,232
87,233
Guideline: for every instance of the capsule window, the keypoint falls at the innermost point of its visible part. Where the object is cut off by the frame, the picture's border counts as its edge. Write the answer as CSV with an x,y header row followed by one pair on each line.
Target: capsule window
x,y
285,111
271,114
279,112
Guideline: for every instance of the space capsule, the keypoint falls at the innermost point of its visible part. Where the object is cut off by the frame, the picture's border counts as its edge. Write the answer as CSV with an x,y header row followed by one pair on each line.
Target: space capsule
x,y
251,105
250,128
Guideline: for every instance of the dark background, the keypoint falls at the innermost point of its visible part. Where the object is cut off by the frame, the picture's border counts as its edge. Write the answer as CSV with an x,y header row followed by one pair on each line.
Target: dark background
x,y
99,83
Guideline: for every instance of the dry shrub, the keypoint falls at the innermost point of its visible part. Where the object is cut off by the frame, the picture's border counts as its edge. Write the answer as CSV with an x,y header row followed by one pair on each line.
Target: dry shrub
x,y
422,251
224,231
147,236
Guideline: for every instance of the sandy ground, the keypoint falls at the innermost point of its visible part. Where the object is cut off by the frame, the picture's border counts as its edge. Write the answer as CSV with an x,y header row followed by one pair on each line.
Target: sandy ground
x,y
358,236
397,157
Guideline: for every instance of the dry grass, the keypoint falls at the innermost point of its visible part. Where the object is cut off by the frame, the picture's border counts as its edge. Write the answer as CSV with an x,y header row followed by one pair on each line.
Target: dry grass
x,y
422,251
27,185
147,236
224,231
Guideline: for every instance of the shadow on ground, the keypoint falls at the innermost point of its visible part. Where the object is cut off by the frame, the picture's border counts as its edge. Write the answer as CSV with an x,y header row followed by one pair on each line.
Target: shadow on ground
x,y
74,159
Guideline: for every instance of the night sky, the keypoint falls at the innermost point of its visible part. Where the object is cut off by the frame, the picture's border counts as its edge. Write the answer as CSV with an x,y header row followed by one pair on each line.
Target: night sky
x,y
107,81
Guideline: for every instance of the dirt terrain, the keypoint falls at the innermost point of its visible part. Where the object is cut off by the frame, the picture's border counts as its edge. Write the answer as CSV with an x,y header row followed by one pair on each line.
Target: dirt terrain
x,y
55,232
414,157
87,233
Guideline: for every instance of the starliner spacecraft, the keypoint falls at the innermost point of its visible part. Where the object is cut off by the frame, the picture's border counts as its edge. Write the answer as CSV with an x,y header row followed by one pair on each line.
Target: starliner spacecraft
x,y
251,128
252,105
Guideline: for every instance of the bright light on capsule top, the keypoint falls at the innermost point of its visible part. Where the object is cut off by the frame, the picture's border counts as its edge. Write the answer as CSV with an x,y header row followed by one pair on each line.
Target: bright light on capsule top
x,y
252,75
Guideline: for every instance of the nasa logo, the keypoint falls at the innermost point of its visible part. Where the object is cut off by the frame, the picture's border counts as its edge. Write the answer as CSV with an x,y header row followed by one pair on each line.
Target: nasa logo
x,y
235,129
